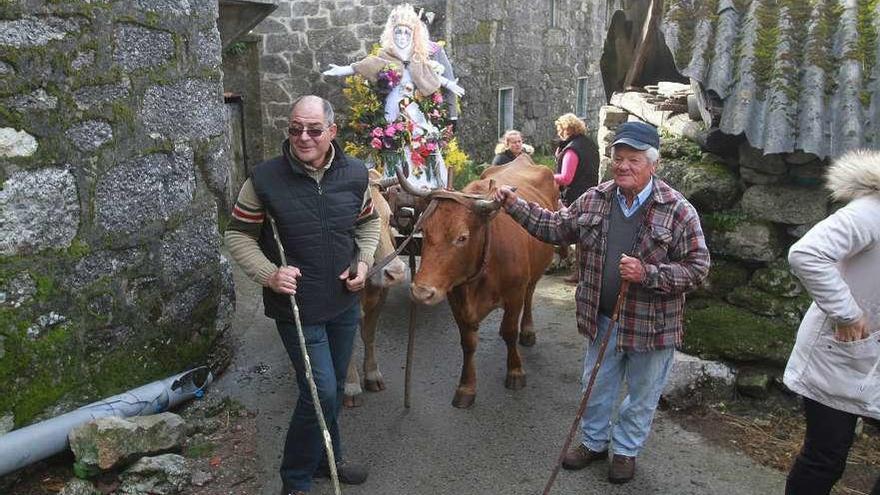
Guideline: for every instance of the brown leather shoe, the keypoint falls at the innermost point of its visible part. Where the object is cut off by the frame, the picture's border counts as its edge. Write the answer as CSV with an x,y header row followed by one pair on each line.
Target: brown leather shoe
x,y
581,457
623,468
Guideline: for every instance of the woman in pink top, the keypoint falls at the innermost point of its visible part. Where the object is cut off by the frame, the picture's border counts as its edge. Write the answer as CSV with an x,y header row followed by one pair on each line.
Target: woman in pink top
x,y
577,158
577,166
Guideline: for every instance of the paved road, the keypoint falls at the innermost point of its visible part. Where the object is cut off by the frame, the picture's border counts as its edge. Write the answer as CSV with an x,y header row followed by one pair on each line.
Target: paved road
x,y
505,444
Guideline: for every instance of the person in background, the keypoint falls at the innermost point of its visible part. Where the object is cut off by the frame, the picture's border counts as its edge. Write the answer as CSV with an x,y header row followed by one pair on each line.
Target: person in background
x,y
634,229
320,200
835,363
509,147
577,166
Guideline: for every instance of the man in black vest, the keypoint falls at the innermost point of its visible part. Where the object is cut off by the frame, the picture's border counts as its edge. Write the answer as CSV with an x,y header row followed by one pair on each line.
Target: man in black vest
x,y
321,204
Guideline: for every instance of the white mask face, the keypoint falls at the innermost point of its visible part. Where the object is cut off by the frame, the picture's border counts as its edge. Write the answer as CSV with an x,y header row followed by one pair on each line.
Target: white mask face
x,y
402,37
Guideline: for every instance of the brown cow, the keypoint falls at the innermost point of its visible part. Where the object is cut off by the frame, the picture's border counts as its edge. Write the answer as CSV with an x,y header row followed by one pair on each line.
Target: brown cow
x,y
482,261
372,299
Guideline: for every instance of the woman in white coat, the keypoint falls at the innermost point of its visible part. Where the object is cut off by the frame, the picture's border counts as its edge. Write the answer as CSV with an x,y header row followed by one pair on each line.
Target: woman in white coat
x,y
835,364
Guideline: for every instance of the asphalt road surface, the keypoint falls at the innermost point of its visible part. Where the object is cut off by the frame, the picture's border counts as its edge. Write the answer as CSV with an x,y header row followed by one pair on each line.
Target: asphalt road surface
x,y
506,443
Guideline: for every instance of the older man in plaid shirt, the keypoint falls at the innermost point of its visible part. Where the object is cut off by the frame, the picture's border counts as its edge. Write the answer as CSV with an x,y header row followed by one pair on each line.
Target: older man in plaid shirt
x,y
638,229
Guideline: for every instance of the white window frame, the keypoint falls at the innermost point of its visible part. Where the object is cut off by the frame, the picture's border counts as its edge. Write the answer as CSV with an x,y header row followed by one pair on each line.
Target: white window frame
x,y
581,94
502,125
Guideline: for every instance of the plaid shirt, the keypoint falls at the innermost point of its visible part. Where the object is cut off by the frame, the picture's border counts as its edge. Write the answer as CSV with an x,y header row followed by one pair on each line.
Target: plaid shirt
x,y
669,243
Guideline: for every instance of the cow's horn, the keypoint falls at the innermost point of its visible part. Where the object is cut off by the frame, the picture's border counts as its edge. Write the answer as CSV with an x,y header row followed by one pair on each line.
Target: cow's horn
x,y
385,183
485,206
409,187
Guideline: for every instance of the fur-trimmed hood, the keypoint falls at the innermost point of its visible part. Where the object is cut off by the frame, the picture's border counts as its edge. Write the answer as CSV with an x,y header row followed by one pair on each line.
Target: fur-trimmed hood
x,y
854,174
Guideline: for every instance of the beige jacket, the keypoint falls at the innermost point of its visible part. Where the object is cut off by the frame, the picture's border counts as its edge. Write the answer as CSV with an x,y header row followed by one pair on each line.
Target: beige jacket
x,y
838,262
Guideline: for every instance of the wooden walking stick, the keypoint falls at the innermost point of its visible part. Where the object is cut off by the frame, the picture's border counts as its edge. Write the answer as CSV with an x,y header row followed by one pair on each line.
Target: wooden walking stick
x,y
624,285
410,345
325,433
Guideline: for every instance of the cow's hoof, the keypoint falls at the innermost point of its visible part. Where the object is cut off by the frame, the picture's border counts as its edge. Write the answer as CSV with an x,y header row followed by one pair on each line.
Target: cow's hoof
x,y
515,381
374,385
527,339
463,400
350,401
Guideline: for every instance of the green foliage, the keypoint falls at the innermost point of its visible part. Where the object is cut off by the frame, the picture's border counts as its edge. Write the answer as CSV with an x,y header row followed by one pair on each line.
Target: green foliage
x,y
85,471
767,15
123,114
865,49
686,15
721,331
481,35
235,49
469,173
548,161
679,147
723,221
200,449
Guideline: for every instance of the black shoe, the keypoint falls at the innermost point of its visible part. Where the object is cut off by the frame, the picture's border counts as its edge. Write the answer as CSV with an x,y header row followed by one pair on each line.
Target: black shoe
x,y
350,473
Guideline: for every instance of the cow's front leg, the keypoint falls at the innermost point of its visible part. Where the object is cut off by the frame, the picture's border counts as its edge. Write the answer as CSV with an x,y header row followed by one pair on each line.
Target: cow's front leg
x,y
467,384
516,376
373,380
526,326
352,397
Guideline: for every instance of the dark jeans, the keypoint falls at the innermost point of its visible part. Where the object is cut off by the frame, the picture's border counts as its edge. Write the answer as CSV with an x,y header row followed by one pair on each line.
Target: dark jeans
x,y
823,457
329,346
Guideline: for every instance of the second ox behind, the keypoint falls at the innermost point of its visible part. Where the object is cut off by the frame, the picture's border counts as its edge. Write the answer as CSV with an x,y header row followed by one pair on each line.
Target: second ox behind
x,y
482,260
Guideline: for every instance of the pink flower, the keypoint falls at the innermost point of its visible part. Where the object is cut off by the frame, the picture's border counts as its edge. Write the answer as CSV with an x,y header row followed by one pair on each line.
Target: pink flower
x,y
431,146
389,131
377,132
376,143
399,126
437,97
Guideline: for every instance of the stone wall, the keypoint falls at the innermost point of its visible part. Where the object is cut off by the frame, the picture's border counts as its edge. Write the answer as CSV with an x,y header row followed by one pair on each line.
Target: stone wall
x,y
113,155
492,44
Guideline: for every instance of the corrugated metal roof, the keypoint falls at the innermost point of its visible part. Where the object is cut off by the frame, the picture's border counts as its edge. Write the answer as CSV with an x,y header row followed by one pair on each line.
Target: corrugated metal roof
x,y
792,74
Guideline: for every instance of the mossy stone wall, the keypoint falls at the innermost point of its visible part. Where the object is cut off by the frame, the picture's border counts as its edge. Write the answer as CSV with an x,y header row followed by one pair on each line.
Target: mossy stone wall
x,y
112,155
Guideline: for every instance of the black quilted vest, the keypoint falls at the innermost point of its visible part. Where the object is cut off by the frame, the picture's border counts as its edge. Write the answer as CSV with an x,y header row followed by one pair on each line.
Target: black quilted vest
x,y
316,225
587,173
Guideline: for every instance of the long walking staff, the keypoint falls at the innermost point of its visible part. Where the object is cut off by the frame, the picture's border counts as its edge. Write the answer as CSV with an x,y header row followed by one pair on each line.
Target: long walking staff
x,y
328,444
410,344
624,285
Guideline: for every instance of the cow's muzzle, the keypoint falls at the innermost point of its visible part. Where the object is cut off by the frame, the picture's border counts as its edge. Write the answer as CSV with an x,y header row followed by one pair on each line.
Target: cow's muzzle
x,y
426,294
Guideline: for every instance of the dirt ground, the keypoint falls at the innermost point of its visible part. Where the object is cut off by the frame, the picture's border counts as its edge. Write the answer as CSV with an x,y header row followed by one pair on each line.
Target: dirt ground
x,y
771,432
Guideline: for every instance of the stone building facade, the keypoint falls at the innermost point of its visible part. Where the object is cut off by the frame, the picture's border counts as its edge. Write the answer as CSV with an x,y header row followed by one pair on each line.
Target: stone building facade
x,y
113,156
545,54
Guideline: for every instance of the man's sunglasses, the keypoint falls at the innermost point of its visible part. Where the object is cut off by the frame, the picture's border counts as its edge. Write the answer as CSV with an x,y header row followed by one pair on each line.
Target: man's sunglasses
x,y
311,132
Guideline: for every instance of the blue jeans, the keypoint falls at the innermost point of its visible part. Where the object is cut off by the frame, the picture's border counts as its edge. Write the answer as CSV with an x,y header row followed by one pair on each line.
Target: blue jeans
x,y
329,346
645,374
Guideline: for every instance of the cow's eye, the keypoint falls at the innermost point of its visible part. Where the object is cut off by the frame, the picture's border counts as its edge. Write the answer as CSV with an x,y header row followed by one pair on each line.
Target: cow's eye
x,y
461,239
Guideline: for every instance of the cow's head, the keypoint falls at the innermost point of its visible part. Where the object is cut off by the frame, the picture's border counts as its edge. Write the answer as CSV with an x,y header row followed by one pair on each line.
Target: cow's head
x,y
396,270
455,241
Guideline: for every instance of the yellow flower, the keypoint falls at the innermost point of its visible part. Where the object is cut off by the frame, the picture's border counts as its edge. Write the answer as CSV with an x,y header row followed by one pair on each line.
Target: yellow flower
x,y
455,158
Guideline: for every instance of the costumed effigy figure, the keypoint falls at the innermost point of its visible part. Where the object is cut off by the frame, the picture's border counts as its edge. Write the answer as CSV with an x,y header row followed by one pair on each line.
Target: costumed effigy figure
x,y
411,120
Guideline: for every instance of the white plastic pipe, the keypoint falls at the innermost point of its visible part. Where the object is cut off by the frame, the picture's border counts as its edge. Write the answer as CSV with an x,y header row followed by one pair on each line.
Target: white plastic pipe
x,y
25,446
